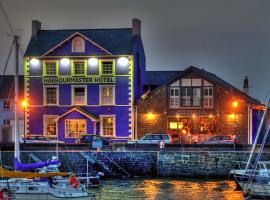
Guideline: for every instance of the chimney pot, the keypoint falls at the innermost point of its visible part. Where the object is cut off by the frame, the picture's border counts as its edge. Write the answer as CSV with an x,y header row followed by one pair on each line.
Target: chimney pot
x,y
136,27
36,27
246,86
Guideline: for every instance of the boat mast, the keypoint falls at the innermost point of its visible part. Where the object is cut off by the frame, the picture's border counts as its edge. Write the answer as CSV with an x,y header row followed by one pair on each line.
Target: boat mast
x,y
257,135
16,81
16,99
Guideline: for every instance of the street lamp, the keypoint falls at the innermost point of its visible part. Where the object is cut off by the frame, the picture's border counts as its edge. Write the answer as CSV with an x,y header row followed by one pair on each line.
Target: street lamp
x,y
235,105
24,105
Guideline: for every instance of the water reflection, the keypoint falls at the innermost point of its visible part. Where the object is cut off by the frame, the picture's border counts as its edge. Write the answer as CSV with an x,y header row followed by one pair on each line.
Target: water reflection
x,y
169,189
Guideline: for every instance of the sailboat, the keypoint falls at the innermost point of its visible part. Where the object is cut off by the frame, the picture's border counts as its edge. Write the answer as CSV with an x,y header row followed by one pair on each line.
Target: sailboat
x,y
254,179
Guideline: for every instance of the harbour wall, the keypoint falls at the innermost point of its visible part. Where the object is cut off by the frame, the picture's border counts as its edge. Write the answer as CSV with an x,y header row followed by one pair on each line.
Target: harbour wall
x,y
154,163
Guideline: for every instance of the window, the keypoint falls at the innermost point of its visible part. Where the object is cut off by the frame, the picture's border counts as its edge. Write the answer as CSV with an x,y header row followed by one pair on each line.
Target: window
x,y
107,94
186,96
74,128
79,68
108,126
196,97
50,127
6,122
208,97
78,45
174,98
7,105
79,95
50,69
51,95
107,68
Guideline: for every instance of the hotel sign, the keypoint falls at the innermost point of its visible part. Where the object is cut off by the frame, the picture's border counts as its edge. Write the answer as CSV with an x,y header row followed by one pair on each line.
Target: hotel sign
x,y
78,80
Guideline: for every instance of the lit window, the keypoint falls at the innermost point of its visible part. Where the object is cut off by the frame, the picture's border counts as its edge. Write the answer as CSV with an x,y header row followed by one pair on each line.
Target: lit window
x,y
174,97
107,94
79,95
208,97
50,69
74,128
51,95
78,45
107,126
50,126
173,125
7,105
79,68
107,68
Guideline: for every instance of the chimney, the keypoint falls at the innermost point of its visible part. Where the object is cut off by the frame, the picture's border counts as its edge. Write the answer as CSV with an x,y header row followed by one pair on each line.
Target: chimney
x,y
246,86
36,26
136,27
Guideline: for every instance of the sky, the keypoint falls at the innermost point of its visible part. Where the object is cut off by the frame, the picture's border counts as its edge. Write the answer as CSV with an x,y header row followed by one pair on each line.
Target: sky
x,y
230,38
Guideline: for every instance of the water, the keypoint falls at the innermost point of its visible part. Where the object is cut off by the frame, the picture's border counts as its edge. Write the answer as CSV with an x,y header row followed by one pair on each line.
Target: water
x,y
168,189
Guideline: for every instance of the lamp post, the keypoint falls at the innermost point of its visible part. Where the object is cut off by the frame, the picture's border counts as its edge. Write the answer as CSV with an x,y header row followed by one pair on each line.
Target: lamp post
x,y
235,105
24,105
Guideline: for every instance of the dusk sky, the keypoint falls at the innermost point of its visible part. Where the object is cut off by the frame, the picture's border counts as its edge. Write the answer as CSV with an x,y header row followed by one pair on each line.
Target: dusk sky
x,y
230,38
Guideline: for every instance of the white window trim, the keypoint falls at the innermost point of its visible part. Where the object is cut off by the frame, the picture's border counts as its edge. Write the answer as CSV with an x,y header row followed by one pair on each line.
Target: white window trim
x,y
114,125
73,45
44,124
44,95
113,103
174,97
72,95
208,97
75,119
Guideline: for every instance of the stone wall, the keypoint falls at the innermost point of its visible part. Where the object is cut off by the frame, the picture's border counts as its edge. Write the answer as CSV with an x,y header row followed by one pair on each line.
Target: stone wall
x,y
180,164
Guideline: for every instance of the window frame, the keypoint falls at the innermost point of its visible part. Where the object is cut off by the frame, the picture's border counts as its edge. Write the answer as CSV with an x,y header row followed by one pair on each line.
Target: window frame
x,y
45,128
73,67
175,97
101,67
8,122
208,96
9,103
85,120
114,125
45,95
73,44
100,95
56,67
73,92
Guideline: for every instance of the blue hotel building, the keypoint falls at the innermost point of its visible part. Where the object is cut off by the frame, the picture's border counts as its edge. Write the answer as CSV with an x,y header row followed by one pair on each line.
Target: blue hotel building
x,y
83,81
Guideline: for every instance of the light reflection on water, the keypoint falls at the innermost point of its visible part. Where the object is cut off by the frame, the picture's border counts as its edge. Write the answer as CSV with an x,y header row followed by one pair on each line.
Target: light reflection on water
x,y
169,189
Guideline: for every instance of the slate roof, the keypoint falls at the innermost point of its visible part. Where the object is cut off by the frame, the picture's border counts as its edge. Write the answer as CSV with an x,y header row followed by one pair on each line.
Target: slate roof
x,y
7,87
214,78
160,77
117,41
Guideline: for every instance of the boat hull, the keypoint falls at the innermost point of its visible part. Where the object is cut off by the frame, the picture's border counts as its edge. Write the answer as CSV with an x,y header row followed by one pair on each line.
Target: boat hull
x,y
256,189
47,197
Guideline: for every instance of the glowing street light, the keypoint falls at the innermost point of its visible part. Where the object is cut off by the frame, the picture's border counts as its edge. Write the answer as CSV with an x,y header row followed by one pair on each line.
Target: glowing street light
x,y
235,104
24,105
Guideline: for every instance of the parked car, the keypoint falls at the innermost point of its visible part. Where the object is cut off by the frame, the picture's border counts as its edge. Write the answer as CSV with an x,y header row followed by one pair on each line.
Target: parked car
x,y
54,140
33,139
226,139
88,139
153,138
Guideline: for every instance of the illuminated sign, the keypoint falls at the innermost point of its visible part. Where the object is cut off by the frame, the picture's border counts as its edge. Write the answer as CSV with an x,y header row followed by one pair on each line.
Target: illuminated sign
x,y
78,80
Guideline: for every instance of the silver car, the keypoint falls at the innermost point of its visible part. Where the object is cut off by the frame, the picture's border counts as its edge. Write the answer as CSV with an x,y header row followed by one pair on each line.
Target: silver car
x,y
152,138
221,140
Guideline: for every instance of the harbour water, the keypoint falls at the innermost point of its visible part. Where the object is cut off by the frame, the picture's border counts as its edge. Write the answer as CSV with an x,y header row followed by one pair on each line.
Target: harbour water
x,y
168,189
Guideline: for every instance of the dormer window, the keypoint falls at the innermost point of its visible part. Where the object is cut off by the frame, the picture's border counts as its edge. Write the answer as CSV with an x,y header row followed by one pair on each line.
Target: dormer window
x,y
78,45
